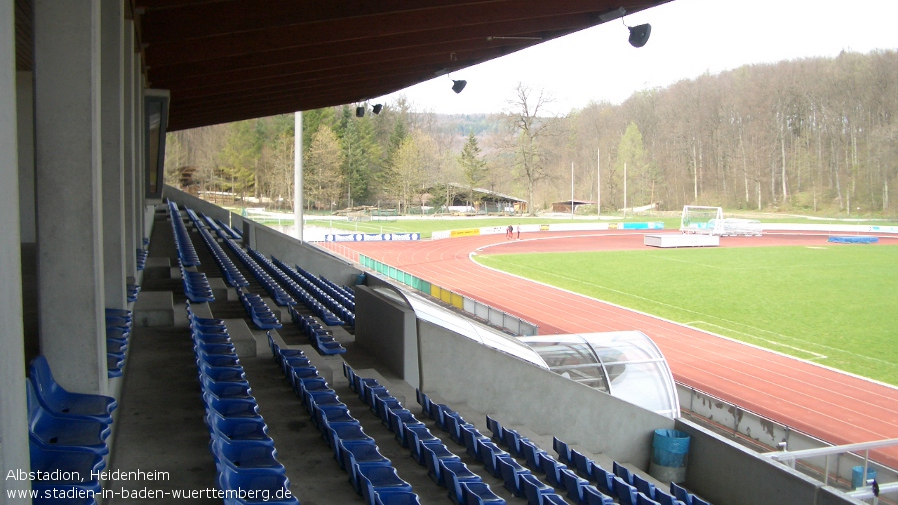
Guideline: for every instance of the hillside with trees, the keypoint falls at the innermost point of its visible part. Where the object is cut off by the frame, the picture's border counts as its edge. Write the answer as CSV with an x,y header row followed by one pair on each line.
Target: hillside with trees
x,y
816,135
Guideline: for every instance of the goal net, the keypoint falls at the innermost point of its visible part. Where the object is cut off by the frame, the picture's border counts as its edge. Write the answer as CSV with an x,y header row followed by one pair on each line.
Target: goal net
x,y
703,220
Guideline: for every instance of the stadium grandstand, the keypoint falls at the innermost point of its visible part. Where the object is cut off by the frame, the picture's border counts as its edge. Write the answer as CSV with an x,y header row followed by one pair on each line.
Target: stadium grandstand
x,y
156,347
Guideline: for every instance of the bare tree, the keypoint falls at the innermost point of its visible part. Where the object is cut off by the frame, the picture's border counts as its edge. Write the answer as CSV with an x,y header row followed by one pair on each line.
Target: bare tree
x,y
529,126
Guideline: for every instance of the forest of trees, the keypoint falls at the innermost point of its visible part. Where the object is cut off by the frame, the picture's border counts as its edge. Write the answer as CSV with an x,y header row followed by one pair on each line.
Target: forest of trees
x,y
816,134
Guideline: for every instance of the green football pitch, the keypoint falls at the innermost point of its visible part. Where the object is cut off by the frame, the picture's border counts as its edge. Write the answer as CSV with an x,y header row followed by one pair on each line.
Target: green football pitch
x,y
834,305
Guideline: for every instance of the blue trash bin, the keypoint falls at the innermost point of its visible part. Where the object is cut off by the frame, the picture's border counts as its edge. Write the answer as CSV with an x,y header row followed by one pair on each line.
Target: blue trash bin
x,y
670,452
360,279
857,476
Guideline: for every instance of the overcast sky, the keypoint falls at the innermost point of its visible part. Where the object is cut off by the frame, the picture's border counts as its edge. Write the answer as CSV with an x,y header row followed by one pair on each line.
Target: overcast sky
x,y
689,38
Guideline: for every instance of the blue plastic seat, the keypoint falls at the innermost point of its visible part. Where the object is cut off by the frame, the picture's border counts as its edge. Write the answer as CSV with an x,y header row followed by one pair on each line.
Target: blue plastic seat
x,y
643,486
360,455
564,452
553,469
379,480
603,478
665,498
511,472
472,438
456,472
433,453
490,453
496,429
479,493
513,441
240,430
592,496
257,485
574,485
56,399
398,498
417,435
532,455
626,494
423,401
235,408
681,493
553,499
642,499
73,461
623,472
581,464
228,390
454,424
404,432
533,489
53,430
243,456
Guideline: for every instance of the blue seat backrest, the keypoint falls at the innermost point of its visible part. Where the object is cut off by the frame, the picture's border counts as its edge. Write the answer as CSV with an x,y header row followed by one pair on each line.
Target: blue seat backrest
x,y
643,486
623,472
680,493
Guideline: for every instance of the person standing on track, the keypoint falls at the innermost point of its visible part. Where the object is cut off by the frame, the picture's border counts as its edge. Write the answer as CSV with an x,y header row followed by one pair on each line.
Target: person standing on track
x,y
509,233
519,232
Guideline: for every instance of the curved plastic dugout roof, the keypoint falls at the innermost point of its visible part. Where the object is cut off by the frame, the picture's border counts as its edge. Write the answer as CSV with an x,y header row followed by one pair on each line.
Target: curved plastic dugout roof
x,y
625,364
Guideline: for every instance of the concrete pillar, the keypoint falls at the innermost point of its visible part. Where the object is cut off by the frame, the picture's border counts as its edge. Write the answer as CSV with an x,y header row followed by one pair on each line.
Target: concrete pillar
x,y
14,453
111,93
69,192
25,107
140,160
131,241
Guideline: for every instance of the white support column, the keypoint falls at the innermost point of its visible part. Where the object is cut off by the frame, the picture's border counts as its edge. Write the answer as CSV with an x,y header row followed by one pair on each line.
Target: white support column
x,y
140,171
14,452
25,108
111,92
132,243
297,175
69,192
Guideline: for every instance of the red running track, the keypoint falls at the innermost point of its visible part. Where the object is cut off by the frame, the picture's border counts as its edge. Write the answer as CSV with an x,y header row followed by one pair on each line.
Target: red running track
x,y
828,404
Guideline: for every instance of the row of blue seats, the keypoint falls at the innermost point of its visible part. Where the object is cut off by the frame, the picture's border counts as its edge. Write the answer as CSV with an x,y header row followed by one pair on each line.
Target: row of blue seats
x,y
281,273
278,294
443,466
196,285
321,339
186,251
258,310
328,287
118,331
326,293
132,291
142,255
67,438
231,232
371,474
244,454
343,290
229,270
318,301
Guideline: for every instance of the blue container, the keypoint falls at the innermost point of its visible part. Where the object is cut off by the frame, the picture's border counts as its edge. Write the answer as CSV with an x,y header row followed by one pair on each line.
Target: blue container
x,y
360,279
670,449
857,476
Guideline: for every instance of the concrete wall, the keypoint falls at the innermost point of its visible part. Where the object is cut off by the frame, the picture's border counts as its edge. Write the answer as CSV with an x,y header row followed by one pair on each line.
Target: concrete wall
x,y
388,331
727,474
461,370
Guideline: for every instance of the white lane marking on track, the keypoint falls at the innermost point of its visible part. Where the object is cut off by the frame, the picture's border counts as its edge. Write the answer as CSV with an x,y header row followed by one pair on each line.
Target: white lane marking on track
x,y
771,342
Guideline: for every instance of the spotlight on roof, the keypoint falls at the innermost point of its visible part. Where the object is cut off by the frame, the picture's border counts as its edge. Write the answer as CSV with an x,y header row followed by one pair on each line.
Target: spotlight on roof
x,y
377,108
639,35
459,85
360,111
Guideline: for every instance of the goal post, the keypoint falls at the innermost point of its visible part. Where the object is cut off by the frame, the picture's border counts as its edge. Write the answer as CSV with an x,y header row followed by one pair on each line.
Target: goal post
x,y
702,220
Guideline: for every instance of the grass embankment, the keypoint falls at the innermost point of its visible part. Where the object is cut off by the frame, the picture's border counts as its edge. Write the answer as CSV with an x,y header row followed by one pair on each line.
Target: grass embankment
x,y
835,305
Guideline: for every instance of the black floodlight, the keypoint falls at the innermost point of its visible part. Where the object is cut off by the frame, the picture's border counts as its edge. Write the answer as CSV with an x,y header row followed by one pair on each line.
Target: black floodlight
x,y
360,111
459,85
377,108
639,35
